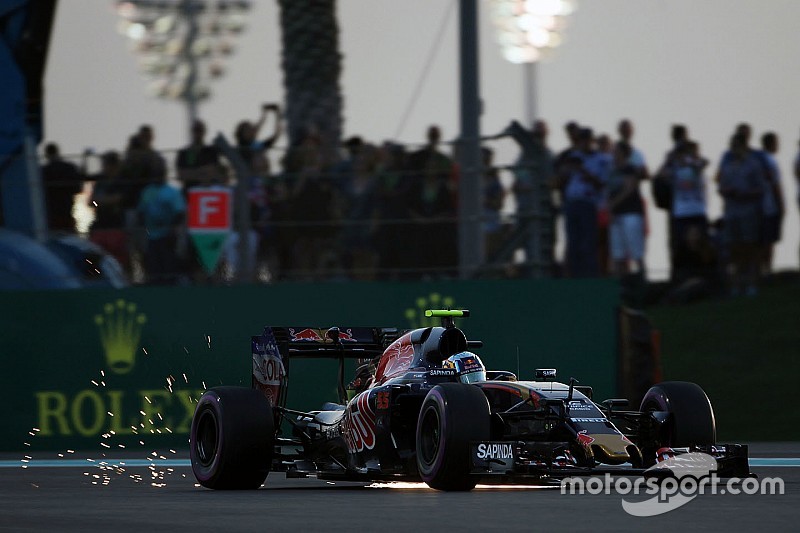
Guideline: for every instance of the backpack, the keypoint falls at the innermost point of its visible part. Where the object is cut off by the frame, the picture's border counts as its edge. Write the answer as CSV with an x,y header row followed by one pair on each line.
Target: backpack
x,y
662,193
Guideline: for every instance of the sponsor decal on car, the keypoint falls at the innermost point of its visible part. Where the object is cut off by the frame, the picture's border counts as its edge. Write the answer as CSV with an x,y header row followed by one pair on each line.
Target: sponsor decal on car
x,y
442,372
396,359
494,450
268,369
588,420
358,424
382,400
306,334
347,336
585,440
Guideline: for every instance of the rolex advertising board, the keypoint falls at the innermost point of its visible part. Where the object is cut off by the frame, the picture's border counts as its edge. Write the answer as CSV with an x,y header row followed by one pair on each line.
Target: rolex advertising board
x,y
117,369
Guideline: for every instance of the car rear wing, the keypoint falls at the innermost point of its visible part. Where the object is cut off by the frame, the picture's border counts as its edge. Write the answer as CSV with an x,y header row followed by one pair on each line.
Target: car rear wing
x,y
276,346
328,343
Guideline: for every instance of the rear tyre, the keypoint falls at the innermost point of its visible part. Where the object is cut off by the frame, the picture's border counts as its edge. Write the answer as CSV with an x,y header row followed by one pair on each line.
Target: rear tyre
x,y
692,420
452,415
232,438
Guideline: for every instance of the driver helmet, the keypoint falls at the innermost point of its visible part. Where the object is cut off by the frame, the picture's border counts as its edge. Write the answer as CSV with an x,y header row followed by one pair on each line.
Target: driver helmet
x,y
467,365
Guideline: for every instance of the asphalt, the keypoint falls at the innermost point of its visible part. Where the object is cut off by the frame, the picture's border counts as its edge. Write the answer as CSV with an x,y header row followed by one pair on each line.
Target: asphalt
x,y
103,495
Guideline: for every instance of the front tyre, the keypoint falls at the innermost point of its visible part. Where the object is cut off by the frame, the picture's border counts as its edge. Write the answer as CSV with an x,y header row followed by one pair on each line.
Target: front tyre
x,y
232,438
452,416
692,421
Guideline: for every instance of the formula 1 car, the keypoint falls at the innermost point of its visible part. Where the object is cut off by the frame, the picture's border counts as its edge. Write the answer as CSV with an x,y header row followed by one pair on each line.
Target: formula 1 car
x,y
411,413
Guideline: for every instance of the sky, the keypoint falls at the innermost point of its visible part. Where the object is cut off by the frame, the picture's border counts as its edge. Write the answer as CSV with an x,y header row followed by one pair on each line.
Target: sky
x,y
709,64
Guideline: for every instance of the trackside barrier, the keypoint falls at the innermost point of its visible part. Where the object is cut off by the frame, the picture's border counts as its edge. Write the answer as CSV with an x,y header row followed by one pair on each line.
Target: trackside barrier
x,y
122,369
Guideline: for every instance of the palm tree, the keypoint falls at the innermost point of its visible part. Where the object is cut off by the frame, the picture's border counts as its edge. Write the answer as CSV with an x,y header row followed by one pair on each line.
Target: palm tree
x,y
311,64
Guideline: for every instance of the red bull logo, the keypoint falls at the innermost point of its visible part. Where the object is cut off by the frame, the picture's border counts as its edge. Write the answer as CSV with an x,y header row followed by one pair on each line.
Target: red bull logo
x,y
397,358
347,336
307,334
585,440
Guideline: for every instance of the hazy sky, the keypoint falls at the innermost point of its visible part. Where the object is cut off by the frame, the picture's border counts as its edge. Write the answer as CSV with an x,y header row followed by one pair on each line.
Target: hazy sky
x,y
709,64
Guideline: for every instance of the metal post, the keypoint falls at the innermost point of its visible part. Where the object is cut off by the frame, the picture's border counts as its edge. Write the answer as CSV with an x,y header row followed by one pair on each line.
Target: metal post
x,y
470,234
531,109
190,8
241,204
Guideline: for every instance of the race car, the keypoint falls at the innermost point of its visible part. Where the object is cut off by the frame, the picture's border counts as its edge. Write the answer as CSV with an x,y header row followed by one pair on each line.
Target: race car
x,y
422,407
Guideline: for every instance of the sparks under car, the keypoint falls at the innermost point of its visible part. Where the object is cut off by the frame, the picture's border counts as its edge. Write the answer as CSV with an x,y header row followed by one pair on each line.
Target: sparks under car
x,y
421,407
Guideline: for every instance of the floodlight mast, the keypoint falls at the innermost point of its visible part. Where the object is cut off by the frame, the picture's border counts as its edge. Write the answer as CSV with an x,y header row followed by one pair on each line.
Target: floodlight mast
x,y
181,44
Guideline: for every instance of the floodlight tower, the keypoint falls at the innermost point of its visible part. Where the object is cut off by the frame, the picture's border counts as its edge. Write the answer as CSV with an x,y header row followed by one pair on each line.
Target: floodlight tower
x,y
181,44
527,31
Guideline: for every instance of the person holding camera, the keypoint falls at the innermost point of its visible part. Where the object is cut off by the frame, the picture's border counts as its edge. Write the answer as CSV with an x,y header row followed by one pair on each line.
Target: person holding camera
x,y
254,154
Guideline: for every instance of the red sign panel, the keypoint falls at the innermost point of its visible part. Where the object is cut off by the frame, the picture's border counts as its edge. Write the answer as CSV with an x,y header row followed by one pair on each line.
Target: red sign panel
x,y
209,210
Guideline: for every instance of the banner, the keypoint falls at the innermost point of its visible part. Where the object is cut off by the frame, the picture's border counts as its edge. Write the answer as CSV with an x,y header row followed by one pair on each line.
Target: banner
x,y
123,368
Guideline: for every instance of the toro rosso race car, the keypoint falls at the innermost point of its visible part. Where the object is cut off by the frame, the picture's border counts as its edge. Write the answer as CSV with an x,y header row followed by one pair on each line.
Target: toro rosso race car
x,y
422,407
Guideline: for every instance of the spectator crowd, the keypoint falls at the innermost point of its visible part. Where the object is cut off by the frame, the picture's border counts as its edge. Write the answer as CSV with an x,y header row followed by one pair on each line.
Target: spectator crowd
x,y
387,211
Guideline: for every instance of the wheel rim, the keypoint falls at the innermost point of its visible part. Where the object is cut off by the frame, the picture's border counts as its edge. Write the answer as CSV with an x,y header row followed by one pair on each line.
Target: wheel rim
x,y
667,431
430,436
207,438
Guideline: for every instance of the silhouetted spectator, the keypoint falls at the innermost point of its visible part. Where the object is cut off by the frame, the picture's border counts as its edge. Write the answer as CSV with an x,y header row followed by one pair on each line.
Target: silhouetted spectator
x,y
140,166
605,165
797,174
626,227
637,160
254,154
432,205
741,185
361,214
571,129
314,220
393,233
661,186
252,150
162,208
773,206
198,164
662,190
682,173
580,184
493,198
62,180
108,199
344,169
535,216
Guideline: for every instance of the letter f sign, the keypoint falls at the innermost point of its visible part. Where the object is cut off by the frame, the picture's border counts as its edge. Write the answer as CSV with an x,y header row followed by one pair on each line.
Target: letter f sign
x,y
209,205
209,210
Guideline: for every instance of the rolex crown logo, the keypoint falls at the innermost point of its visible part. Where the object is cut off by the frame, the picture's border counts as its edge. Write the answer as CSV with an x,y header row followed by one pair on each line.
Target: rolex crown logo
x,y
416,316
120,328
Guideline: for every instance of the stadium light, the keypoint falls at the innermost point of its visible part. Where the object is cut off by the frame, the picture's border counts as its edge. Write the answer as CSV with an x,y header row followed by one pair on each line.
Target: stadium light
x,y
527,30
181,44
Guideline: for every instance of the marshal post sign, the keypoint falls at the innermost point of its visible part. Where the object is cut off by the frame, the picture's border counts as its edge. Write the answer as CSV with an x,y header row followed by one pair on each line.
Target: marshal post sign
x,y
209,223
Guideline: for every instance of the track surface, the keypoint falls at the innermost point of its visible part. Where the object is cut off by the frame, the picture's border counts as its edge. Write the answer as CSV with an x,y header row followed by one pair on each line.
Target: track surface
x,y
64,499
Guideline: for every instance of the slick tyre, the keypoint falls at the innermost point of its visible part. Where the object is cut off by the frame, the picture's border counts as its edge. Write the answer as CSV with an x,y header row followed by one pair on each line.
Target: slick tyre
x,y
232,438
452,415
692,420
